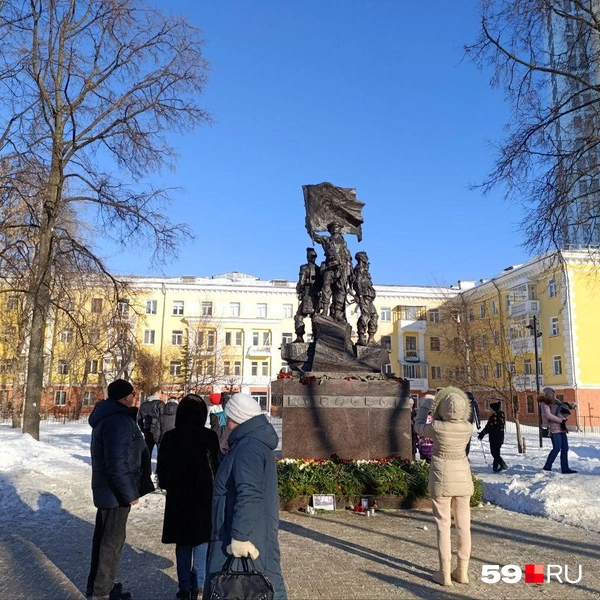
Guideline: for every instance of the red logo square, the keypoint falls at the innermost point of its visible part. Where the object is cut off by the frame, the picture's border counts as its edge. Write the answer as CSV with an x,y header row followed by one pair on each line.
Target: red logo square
x,y
534,573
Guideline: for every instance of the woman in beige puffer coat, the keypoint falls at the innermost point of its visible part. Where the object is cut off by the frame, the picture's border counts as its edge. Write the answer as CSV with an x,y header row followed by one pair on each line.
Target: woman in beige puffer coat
x,y
450,481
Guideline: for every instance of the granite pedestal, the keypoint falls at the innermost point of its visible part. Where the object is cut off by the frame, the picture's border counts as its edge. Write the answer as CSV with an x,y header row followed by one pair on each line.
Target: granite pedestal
x,y
353,419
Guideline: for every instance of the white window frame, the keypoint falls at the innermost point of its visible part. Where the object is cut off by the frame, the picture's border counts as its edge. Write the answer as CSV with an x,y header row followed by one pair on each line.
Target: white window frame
x,y
557,365
552,289
206,308
237,367
434,315
175,368
60,398
226,367
234,309
238,338
66,336
178,307
288,311
261,310
177,337
485,372
62,367
385,314
151,307
554,327
92,366
286,338
431,344
254,368
265,368
528,367
494,307
149,337
497,370
88,398
436,372
482,310
123,309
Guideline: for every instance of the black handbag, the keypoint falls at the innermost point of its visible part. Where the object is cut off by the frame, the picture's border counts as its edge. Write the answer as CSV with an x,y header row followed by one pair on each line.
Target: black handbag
x,y
247,584
545,432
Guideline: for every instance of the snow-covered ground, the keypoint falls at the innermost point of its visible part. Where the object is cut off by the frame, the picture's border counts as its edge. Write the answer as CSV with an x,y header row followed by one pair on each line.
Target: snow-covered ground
x,y
41,479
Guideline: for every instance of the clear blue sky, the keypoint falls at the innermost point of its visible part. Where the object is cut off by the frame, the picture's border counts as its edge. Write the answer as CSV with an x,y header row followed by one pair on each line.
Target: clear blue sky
x,y
370,94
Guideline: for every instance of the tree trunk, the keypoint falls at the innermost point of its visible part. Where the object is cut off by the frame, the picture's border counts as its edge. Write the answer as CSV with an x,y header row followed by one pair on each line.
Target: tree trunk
x,y
520,440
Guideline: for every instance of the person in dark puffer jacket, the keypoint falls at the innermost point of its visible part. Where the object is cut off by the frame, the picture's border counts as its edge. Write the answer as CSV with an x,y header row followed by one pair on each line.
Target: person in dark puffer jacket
x,y
167,418
495,429
120,476
245,511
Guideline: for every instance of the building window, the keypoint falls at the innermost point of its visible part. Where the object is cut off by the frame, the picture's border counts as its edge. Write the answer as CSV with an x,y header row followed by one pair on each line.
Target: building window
x,y
434,344
123,308
228,338
227,367
385,314
410,342
288,311
436,372
206,310
471,315
234,309
151,306
386,342
512,368
238,338
62,367
149,337
497,370
177,307
552,288
255,338
261,398
88,398
411,371
66,336
387,369
92,366
482,310
60,398
96,305
12,303
554,326
529,403
209,339
175,368
254,368
557,365
177,337
237,368
434,316
527,366
485,371
483,341
209,368
261,310
496,338
286,338
540,369
94,336
494,307
265,369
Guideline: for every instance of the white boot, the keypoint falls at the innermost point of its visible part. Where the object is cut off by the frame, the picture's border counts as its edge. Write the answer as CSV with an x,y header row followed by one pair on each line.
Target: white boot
x,y
443,576
461,573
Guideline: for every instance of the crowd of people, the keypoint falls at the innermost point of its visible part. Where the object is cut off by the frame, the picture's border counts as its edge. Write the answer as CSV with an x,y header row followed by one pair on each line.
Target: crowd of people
x,y
217,467
218,470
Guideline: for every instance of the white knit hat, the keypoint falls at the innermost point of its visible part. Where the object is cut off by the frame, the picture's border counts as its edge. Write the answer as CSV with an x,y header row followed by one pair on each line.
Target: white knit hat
x,y
242,407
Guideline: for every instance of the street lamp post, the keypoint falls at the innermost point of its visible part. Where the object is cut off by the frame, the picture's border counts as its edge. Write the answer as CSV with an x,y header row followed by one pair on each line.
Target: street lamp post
x,y
536,335
163,289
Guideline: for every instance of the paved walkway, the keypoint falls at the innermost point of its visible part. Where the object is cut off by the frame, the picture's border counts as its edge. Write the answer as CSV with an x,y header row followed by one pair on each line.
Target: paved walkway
x,y
336,555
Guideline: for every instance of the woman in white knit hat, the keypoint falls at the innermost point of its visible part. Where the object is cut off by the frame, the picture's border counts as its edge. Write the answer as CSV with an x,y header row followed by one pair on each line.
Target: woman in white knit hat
x,y
245,513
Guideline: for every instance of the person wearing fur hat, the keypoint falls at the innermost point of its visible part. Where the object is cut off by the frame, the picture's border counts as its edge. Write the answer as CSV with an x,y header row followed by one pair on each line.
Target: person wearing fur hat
x,y
120,476
495,429
245,512
450,480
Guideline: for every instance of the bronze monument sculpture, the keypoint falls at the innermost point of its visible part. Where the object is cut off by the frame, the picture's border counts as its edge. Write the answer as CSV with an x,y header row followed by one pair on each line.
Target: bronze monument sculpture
x,y
338,400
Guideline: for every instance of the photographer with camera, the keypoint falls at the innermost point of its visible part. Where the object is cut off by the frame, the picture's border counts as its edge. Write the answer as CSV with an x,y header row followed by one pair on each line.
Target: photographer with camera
x,y
555,413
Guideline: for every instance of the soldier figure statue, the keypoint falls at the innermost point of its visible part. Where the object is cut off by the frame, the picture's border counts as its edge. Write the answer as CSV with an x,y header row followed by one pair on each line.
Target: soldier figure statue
x,y
336,273
307,289
365,296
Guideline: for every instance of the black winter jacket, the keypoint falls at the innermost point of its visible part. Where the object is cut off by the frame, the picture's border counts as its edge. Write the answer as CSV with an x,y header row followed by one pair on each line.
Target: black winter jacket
x,y
167,420
246,502
120,457
149,416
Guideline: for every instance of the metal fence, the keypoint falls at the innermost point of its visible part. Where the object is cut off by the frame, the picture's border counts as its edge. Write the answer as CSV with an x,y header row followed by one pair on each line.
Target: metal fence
x,y
53,418
587,426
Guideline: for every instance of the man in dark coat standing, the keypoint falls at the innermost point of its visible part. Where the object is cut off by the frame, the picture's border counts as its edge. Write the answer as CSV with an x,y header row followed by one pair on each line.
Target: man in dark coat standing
x,y
120,476
495,428
245,512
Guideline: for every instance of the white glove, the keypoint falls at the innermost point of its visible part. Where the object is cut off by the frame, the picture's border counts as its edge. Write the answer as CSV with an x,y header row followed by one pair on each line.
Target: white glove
x,y
243,549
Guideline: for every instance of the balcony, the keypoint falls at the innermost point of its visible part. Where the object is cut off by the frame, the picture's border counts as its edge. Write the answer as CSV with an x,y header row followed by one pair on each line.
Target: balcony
x,y
527,382
419,383
524,345
258,351
264,380
529,307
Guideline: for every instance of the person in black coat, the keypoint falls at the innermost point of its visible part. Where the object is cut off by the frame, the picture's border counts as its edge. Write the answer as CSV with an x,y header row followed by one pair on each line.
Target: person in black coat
x,y
120,476
495,428
167,418
187,461
246,502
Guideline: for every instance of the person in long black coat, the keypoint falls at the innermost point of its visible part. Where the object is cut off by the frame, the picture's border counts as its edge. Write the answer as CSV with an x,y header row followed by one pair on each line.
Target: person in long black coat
x,y
246,502
187,462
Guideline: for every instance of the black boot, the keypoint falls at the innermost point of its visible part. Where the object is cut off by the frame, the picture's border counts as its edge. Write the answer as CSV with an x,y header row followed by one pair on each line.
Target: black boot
x,y
117,593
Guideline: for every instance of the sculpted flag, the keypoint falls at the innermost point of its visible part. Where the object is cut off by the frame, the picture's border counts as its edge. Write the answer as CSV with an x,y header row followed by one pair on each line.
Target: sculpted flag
x,y
326,203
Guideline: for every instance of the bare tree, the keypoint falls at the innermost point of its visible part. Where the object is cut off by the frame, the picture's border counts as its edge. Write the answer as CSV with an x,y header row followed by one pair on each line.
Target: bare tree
x,y
89,88
545,54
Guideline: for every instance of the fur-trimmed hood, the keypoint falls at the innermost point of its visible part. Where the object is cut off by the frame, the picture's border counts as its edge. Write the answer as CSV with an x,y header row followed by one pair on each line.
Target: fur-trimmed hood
x,y
451,404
